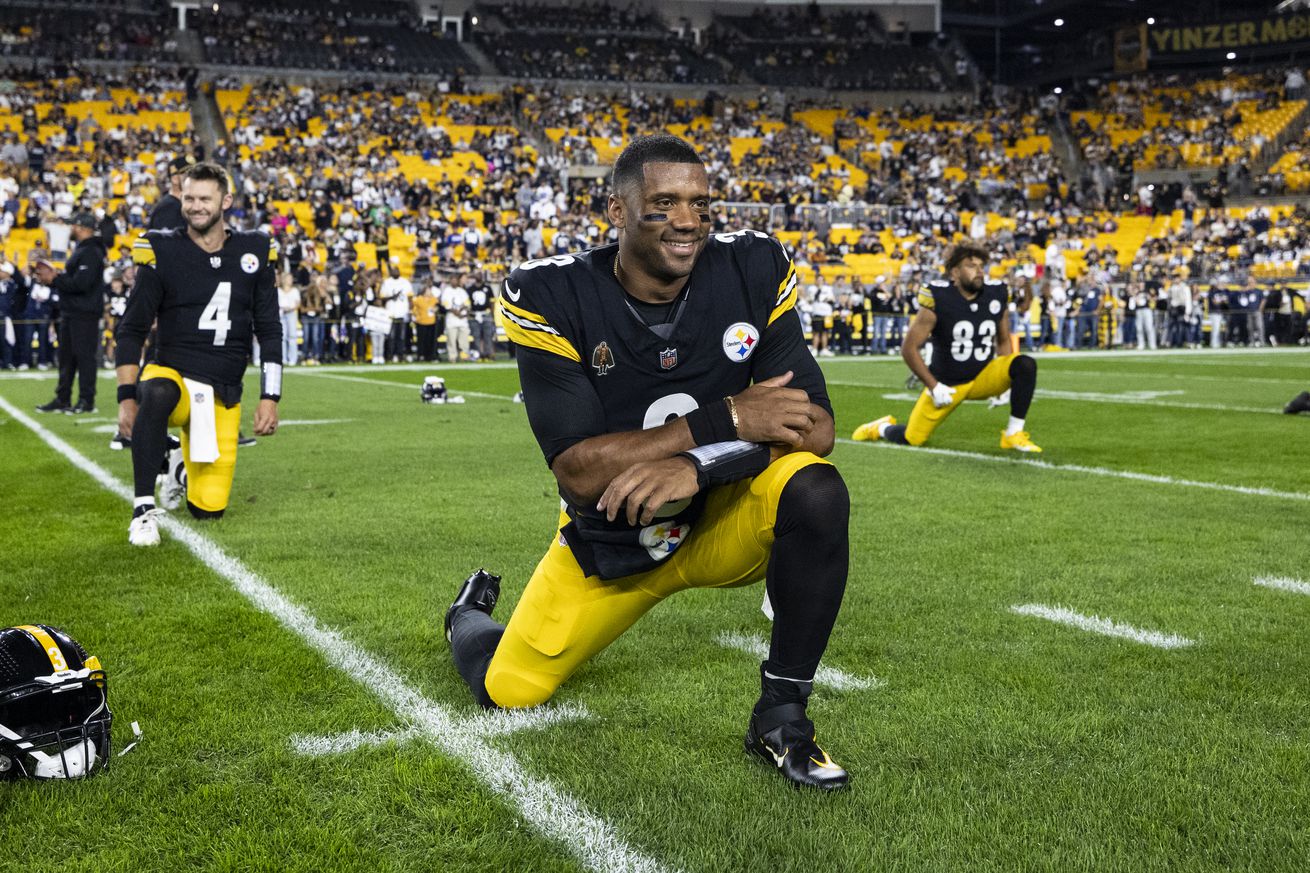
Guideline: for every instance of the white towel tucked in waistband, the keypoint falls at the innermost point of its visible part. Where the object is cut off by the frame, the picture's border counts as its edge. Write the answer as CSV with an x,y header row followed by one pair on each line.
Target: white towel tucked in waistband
x,y
203,430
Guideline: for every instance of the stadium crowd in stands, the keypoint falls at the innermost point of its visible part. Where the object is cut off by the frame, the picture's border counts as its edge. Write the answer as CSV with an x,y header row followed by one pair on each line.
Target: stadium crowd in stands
x,y
384,195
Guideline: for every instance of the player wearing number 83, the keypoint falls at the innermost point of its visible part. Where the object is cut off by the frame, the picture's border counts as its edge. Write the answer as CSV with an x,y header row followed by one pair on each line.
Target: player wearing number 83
x,y
967,318
211,289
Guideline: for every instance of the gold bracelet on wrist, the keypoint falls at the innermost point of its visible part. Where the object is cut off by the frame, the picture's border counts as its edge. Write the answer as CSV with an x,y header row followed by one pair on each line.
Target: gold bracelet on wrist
x,y
732,410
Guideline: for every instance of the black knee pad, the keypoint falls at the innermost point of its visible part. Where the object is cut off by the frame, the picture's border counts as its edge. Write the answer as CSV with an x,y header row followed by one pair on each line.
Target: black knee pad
x,y
814,499
1023,365
204,514
158,392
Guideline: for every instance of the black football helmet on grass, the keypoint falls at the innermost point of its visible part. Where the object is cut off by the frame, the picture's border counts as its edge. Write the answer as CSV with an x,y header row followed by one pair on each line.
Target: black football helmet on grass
x,y
54,706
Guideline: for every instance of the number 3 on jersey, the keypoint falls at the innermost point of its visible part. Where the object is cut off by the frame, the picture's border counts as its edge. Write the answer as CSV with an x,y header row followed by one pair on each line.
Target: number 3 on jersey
x,y
962,337
215,315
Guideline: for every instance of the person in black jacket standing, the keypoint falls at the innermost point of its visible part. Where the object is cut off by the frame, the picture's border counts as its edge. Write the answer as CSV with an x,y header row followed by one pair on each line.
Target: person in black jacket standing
x,y
81,289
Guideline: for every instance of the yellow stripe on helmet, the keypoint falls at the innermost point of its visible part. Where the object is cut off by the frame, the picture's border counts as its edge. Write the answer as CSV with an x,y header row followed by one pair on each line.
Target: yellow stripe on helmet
x,y
47,642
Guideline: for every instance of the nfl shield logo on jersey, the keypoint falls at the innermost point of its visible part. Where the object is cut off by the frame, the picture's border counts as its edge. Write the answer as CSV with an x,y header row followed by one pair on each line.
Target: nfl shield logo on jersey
x,y
739,341
215,261
668,359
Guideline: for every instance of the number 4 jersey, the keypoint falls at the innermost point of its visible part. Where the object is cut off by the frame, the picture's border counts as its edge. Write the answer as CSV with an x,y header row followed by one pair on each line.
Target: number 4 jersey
x,y
209,306
964,337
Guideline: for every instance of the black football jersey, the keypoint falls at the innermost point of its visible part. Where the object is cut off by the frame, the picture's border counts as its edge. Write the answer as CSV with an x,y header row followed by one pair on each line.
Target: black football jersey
x,y
587,348
964,337
209,306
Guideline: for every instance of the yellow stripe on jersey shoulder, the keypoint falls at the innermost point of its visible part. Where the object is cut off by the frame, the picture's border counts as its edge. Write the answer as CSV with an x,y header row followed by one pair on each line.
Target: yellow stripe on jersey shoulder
x,y
539,339
143,253
926,300
786,295
529,329
520,311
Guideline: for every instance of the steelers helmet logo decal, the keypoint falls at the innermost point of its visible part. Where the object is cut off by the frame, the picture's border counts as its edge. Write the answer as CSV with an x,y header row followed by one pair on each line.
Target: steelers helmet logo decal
x,y
740,340
249,262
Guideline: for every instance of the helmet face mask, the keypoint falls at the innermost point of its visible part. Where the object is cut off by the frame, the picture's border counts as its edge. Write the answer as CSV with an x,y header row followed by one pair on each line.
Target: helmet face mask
x,y
54,709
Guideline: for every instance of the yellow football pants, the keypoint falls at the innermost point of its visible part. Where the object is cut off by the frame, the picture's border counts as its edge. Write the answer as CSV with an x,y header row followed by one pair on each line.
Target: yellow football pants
x,y
208,485
564,617
992,381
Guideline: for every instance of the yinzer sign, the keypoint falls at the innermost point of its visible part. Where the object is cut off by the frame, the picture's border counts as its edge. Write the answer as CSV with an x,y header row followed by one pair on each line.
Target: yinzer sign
x,y
1230,35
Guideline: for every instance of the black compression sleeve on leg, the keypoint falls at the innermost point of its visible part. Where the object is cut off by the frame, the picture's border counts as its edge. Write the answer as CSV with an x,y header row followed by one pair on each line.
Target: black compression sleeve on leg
x,y
474,636
895,434
155,401
1023,382
807,570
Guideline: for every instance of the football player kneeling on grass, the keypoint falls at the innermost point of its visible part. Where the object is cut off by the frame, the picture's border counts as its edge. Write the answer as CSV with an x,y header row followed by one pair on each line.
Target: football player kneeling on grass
x,y
668,384
211,288
966,317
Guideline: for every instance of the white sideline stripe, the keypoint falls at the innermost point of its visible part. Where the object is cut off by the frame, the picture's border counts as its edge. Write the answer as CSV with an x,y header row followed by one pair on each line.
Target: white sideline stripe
x,y
410,385
557,815
1296,586
294,422
1130,399
336,744
829,676
1103,626
1029,461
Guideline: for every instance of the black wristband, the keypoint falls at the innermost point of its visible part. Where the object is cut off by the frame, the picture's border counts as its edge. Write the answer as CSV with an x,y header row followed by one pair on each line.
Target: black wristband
x,y
126,392
274,397
711,424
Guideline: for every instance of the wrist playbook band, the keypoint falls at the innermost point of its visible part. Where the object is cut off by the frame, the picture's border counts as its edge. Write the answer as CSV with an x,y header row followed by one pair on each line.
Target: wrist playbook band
x,y
270,381
724,462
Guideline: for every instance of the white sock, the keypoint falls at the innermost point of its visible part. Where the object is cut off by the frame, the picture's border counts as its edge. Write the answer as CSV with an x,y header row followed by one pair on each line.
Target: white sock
x,y
1015,425
882,428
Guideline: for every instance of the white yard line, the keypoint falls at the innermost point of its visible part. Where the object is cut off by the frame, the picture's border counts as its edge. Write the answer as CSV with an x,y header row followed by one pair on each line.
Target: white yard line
x,y
491,723
337,744
1130,399
296,422
1029,461
1103,626
829,676
1296,586
1147,374
410,385
551,811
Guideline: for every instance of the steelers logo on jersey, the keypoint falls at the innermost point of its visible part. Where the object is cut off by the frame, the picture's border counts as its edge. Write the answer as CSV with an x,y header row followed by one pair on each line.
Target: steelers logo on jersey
x,y
249,262
662,538
739,340
994,307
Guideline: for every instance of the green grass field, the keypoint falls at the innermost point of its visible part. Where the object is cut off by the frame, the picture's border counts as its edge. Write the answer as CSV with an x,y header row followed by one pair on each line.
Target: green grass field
x,y
990,741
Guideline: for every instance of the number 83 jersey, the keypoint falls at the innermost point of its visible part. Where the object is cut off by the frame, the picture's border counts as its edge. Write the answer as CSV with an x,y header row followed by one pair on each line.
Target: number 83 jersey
x,y
209,305
964,337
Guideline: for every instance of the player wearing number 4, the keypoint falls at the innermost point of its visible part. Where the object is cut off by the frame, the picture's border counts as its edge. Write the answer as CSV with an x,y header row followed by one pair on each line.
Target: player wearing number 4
x,y
670,388
211,288
966,316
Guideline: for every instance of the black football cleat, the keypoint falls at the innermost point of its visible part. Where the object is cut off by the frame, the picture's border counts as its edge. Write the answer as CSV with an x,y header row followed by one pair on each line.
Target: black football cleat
x,y
784,737
480,591
55,405
82,407
246,442
1299,403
